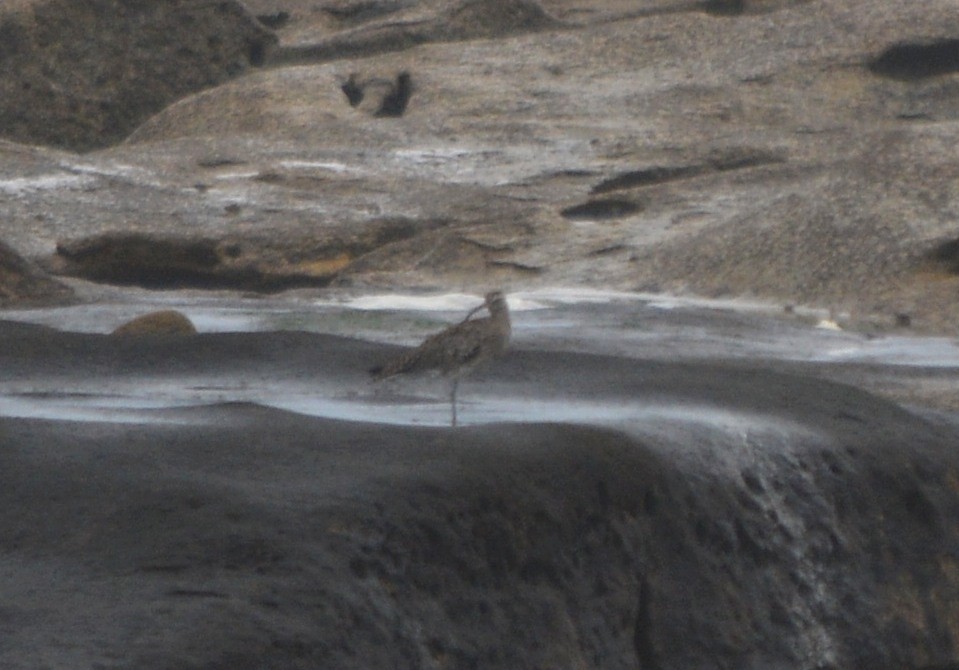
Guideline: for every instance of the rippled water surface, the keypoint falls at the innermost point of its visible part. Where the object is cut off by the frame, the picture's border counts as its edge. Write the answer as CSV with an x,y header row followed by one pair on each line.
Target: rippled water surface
x,y
629,325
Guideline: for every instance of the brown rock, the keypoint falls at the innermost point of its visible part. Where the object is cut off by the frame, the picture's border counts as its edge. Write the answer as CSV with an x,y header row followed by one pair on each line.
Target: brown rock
x,y
82,75
165,322
812,164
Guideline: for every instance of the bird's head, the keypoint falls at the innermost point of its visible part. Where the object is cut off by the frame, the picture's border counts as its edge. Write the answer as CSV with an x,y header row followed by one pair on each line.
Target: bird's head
x,y
495,300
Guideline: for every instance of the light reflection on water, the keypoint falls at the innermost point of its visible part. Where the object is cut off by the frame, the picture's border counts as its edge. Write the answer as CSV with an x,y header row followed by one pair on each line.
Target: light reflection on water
x,y
638,417
641,325
629,325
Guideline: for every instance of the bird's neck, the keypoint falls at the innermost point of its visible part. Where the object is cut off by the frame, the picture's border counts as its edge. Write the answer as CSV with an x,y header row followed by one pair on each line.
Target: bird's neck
x,y
499,313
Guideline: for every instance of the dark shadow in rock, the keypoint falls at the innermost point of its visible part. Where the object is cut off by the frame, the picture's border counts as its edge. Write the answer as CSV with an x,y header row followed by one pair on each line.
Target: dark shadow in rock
x,y
218,162
395,102
911,60
274,20
642,639
520,268
602,209
722,160
352,90
724,7
741,158
256,55
145,260
359,12
646,177
946,255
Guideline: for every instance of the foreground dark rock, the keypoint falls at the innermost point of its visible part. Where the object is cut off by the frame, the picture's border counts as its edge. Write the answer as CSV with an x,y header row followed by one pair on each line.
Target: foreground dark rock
x,y
82,75
816,528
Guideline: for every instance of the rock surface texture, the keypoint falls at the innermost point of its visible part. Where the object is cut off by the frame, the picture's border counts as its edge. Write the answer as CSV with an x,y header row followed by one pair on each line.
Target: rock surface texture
x,y
797,150
774,521
739,514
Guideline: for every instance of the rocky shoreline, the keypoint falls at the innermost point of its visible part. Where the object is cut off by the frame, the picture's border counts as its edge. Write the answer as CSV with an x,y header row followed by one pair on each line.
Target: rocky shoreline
x,y
562,143
736,517
634,488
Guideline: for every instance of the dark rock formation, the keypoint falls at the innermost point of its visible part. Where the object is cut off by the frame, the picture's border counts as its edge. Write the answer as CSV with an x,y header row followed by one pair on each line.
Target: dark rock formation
x,y
274,20
912,61
143,259
261,264
398,97
353,90
82,75
811,525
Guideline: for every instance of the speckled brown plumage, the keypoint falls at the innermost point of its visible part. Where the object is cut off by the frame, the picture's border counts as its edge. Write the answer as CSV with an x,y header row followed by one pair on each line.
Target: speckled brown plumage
x,y
457,350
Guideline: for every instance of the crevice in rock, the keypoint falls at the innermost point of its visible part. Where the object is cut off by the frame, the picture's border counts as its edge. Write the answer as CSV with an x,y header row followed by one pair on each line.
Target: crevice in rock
x,y
646,656
646,177
135,259
352,90
602,209
256,53
912,60
252,264
359,12
141,259
608,250
521,268
719,160
274,20
743,158
395,102
385,97
946,256
724,7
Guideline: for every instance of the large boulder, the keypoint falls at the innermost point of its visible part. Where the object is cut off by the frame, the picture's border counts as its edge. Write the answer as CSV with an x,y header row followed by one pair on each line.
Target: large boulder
x,y
728,517
82,75
162,322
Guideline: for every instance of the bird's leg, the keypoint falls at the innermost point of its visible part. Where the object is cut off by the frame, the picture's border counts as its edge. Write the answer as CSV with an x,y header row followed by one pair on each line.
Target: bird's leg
x,y
456,382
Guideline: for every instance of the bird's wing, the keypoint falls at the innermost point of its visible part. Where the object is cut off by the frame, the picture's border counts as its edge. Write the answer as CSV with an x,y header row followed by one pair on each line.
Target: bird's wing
x,y
457,347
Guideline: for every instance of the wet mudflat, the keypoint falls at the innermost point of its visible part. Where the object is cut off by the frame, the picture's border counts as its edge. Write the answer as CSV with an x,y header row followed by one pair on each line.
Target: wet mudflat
x,y
639,482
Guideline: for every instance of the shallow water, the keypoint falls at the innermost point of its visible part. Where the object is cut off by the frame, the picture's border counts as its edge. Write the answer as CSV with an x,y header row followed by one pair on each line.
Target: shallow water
x,y
631,325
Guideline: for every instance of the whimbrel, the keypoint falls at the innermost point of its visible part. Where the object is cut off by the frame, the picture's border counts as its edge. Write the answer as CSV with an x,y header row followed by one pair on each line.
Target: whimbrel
x,y
457,350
